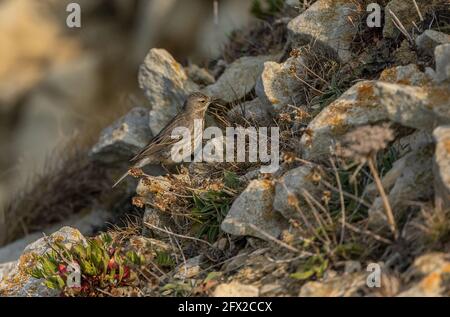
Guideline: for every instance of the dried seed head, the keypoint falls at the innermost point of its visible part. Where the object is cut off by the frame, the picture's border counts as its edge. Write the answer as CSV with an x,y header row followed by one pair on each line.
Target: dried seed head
x,y
316,175
301,115
365,141
287,237
295,52
284,117
292,200
138,202
326,197
289,157
136,172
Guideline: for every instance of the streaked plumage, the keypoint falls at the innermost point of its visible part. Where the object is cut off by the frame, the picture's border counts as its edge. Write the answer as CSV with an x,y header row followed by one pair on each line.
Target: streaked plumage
x,y
158,150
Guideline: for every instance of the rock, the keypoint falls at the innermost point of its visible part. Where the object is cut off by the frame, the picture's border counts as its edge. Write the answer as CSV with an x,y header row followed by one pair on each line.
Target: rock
x,y
6,268
280,84
254,112
190,269
239,78
415,107
19,282
429,273
253,207
294,182
407,13
327,24
166,86
405,75
123,139
441,166
428,40
357,106
442,56
156,218
410,182
370,102
413,143
235,289
86,223
199,75
348,285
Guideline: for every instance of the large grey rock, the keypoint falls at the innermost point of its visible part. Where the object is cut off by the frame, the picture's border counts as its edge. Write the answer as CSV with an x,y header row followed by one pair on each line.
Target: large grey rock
x,y
428,40
19,283
327,24
166,86
415,107
295,182
280,84
239,78
442,56
356,107
405,75
441,165
254,207
254,112
370,102
124,138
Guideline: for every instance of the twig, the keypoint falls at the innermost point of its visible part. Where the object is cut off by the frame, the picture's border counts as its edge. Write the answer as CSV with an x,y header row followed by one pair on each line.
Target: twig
x,y
273,239
341,198
151,273
387,206
104,292
319,219
177,235
307,84
418,11
400,26
361,201
369,233
305,254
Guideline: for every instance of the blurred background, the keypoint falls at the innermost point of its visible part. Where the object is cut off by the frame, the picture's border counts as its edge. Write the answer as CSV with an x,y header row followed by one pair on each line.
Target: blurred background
x,y
57,82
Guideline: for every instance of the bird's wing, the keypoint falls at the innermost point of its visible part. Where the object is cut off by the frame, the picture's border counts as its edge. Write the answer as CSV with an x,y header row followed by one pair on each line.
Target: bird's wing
x,y
161,141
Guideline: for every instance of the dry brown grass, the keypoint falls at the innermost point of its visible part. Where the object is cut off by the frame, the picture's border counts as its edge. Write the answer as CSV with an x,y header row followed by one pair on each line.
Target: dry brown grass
x,y
68,183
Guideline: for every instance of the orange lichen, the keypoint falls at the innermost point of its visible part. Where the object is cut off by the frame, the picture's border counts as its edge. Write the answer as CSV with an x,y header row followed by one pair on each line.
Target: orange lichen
x,y
432,282
446,145
438,96
389,75
366,92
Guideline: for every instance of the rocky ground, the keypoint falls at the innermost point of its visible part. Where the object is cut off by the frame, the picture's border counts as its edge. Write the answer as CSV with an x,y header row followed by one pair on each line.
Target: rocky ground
x,y
364,181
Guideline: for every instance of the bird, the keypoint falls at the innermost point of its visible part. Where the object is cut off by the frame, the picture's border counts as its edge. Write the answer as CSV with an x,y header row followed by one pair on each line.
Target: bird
x,y
158,150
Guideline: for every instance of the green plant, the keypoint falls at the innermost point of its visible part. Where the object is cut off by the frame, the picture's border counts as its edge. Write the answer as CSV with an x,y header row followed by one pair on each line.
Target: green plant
x,y
314,266
164,260
102,265
210,208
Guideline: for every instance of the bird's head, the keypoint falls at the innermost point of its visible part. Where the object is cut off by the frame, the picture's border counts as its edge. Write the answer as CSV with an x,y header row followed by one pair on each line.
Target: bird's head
x,y
198,102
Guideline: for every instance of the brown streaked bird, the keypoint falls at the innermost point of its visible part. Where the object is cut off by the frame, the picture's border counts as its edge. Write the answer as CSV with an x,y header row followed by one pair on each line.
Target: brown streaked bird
x,y
158,150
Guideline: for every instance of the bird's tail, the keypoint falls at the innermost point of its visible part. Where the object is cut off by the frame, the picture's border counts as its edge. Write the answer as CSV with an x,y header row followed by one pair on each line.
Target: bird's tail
x,y
121,179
